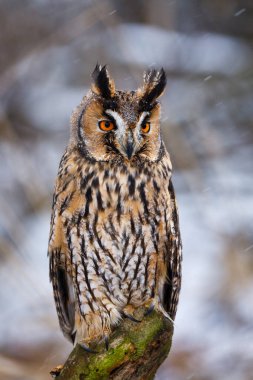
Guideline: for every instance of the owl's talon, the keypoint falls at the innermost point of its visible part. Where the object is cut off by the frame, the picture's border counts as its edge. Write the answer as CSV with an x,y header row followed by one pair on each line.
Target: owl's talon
x,y
131,317
149,310
88,349
106,339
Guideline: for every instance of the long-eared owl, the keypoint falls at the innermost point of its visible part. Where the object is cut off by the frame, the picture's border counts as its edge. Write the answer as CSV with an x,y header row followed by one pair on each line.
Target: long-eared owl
x,y
115,242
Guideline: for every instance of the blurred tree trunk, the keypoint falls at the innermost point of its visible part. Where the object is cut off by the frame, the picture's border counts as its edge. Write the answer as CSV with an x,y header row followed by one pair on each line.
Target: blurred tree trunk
x,y
136,351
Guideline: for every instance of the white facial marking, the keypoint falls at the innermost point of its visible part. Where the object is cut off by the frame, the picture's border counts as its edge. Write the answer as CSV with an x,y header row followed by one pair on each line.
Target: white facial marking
x,y
121,125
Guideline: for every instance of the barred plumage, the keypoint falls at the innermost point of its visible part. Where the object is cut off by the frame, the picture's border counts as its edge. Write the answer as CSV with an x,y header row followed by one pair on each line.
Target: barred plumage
x,y
114,241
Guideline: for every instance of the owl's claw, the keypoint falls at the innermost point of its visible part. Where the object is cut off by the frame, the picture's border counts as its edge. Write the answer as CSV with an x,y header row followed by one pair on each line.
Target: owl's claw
x,y
131,317
106,339
88,349
149,310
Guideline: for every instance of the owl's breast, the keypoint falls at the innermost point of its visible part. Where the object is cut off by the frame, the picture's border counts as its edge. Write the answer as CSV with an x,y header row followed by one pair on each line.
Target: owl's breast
x,y
117,223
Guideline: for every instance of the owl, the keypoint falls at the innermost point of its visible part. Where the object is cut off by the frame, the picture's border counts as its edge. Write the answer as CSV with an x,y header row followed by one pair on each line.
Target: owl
x,y
114,242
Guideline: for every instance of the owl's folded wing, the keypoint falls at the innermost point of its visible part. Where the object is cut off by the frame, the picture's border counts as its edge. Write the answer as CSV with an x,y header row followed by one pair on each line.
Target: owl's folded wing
x,y
63,295
173,259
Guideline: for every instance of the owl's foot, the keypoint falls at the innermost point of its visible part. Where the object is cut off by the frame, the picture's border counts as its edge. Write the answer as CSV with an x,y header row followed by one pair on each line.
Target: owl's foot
x,y
127,312
87,348
131,317
155,304
55,372
149,309
87,343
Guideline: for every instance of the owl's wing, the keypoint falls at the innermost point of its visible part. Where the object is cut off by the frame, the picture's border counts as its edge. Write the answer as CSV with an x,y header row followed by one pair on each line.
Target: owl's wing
x,y
173,258
60,278
63,295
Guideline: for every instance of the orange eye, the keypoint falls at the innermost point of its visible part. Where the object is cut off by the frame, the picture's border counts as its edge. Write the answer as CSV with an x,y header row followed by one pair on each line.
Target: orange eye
x,y
145,128
106,125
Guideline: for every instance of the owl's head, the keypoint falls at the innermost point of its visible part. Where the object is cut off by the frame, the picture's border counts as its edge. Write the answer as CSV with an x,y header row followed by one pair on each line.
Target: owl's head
x,y
119,125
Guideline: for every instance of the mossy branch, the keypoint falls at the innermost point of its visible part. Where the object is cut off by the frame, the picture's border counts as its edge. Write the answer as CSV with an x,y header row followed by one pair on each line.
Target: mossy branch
x,y
136,351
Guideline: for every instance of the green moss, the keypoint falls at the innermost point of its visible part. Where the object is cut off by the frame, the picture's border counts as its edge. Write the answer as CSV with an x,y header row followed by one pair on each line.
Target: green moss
x,y
141,338
102,367
128,343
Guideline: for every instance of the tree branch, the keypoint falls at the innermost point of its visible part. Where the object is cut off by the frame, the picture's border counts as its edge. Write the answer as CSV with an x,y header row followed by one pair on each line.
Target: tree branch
x,y
136,351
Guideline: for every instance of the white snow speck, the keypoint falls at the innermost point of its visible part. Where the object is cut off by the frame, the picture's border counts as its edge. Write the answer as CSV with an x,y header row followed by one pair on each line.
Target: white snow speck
x,y
240,12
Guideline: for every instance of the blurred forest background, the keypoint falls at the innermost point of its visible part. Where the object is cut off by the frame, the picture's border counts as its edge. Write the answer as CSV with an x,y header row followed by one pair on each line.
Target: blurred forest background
x,y
48,50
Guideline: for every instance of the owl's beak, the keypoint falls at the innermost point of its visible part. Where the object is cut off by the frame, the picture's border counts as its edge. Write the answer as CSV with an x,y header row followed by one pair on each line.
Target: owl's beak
x,y
129,146
129,149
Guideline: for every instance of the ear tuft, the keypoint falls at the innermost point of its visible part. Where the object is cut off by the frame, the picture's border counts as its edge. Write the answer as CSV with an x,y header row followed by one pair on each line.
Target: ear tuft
x,y
102,83
154,84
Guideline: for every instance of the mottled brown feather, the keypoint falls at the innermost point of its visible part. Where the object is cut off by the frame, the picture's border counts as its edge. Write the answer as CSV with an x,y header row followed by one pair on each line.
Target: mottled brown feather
x,y
115,241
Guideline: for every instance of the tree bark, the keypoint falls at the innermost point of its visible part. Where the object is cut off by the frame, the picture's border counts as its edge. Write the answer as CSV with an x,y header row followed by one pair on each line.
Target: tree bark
x,y
135,352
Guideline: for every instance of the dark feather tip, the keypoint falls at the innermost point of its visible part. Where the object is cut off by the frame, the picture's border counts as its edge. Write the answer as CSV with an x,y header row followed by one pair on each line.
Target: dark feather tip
x,y
102,81
156,81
